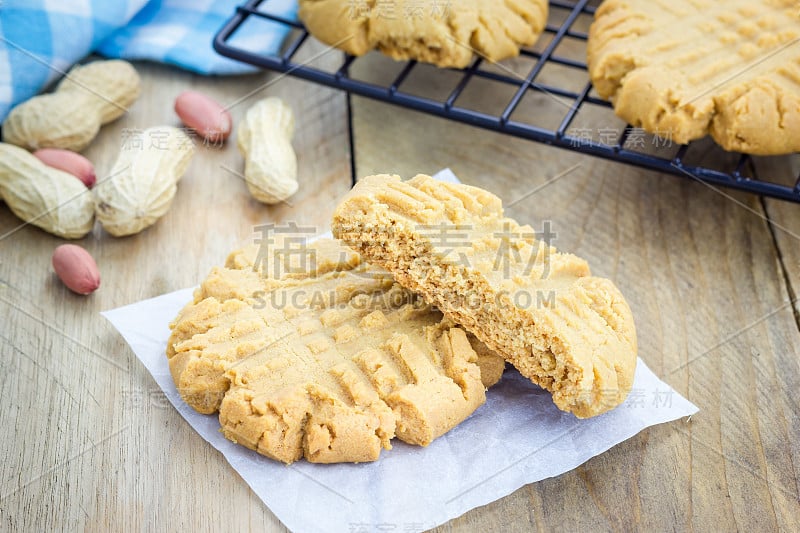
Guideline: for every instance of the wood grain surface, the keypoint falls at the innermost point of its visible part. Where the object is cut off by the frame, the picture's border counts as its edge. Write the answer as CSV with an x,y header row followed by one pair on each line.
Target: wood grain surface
x,y
89,443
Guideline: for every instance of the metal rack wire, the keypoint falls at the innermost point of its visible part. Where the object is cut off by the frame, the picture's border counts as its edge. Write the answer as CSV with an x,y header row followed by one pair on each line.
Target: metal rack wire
x,y
626,144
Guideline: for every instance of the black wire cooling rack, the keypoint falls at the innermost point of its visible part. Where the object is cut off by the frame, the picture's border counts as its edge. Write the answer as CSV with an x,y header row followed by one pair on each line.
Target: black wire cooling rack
x,y
536,108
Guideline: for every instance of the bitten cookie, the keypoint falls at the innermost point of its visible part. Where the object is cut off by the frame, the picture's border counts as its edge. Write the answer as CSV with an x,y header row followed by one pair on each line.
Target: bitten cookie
x,y
564,329
434,31
329,363
685,69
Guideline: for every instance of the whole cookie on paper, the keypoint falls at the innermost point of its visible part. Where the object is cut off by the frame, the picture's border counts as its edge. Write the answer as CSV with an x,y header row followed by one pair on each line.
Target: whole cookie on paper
x,y
566,330
687,69
327,359
446,33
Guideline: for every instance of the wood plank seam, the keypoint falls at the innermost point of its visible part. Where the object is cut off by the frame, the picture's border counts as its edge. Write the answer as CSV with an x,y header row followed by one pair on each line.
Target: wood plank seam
x,y
781,262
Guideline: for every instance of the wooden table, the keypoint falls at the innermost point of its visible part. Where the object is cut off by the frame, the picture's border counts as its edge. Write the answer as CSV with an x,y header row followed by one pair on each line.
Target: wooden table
x,y
89,442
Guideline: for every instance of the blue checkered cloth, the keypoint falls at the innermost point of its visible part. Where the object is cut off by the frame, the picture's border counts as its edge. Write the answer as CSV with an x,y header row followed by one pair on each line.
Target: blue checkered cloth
x,y
41,39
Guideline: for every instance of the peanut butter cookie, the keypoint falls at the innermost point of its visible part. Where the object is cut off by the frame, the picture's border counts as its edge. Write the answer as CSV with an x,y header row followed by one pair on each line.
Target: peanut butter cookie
x,y
328,362
441,32
564,329
684,69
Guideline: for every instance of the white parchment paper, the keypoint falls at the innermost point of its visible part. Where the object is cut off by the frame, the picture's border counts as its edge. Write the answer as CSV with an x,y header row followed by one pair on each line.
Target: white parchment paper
x,y
516,438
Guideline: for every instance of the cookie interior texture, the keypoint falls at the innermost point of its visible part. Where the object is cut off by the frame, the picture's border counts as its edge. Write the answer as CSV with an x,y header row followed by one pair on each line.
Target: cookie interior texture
x,y
566,330
434,31
328,360
684,69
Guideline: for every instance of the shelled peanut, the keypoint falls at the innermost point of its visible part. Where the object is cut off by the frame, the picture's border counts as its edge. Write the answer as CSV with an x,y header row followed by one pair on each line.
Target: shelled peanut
x,y
88,97
76,268
264,138
44,196
70,162
209,119
141,185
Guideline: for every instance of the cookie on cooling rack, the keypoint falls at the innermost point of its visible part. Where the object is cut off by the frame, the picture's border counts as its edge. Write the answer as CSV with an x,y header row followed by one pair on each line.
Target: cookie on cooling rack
x,y
327,363
442,32
687,69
